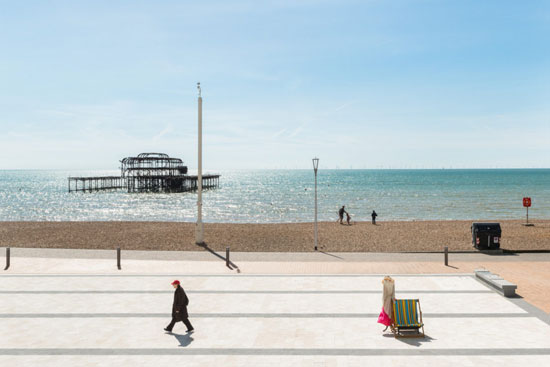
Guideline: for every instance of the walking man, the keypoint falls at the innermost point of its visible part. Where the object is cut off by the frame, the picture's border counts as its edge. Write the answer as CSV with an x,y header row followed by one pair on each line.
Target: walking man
x,y
374,215
179,308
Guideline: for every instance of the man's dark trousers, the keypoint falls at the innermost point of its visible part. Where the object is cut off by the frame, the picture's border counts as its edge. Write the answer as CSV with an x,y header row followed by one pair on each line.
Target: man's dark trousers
x,y
185,321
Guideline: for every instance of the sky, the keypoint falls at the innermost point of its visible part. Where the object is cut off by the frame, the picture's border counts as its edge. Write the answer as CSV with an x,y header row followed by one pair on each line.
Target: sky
x,y
359,84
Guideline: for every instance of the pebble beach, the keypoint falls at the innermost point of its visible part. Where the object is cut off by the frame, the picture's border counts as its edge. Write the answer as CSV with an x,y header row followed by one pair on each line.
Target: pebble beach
x,y
396,236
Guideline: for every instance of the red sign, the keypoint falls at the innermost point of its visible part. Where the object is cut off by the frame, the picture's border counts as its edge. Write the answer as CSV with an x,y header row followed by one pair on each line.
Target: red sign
x,y
527,202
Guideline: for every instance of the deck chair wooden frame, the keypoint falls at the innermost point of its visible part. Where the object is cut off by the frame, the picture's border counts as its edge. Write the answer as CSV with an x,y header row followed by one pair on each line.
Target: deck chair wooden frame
x,y
407,315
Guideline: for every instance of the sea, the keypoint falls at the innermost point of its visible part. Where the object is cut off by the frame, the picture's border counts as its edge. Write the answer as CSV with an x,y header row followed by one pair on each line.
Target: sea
x,y
288,196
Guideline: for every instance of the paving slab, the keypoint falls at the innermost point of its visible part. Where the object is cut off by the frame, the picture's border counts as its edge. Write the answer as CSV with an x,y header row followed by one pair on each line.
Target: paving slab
x,y
272,361
297,302
279,332
233,283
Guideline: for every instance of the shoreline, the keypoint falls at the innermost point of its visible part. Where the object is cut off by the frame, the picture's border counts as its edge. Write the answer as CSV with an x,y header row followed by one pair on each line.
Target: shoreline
x,y
353,222
392,236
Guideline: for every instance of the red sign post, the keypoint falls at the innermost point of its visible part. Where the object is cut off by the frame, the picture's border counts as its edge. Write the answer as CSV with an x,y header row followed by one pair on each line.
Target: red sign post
x,y
527,204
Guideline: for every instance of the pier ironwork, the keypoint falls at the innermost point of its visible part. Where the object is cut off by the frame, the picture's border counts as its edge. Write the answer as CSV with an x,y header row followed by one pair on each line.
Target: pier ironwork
x,y
148,172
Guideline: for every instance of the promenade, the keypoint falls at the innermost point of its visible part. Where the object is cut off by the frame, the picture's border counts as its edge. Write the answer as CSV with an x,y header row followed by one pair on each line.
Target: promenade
x,y
74,307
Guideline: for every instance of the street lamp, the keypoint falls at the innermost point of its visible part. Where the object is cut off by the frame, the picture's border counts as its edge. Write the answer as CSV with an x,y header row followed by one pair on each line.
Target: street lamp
x,y
315,166
199,230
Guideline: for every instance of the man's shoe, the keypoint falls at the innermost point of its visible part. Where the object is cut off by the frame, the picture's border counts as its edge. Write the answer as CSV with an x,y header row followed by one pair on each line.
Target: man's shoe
x,y
166,329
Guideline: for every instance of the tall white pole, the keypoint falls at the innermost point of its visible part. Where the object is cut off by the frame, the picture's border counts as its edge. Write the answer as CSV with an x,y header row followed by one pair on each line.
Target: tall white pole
x,y
199,231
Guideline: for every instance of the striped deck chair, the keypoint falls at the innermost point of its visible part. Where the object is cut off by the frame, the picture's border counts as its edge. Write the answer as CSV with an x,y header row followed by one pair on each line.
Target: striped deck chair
x,y
407,316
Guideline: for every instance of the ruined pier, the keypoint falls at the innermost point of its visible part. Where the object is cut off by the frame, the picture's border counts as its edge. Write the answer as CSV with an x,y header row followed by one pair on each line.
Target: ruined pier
x,y
148,172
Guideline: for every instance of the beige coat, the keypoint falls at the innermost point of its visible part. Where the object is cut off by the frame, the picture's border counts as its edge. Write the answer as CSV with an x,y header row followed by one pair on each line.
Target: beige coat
x,y
388,296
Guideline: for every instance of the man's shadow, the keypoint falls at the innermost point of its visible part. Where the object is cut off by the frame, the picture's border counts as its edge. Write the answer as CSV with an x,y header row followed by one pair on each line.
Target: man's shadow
x,y
183,339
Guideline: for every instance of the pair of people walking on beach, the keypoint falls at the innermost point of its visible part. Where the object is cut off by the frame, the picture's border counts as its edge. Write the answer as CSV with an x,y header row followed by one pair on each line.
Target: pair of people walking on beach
x,y
179,308
341,213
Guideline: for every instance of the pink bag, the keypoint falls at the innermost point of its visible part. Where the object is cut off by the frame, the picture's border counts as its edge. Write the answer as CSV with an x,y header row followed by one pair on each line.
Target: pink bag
x,y
383,318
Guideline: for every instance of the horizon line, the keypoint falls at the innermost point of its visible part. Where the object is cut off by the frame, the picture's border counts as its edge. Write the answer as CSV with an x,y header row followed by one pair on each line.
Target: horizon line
x,y
298,169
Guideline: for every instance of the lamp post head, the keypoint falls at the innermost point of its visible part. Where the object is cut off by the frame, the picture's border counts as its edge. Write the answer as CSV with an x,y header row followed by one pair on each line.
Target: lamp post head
x,y
315,164
199,88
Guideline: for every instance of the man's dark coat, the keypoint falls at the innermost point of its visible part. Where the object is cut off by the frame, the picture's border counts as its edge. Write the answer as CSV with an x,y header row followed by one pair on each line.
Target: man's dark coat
x,y
180,304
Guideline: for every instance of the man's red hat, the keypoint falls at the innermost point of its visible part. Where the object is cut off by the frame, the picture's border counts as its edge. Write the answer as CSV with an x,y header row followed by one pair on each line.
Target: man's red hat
x,y
176,282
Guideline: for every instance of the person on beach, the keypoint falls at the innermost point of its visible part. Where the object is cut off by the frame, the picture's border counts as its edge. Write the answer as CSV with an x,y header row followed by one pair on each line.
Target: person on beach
x,y
179,308
348,219
373,216
388,297
341,213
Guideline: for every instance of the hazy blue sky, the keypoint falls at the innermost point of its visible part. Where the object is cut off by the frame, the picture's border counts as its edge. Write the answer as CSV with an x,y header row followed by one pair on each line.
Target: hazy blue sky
x,y
362,84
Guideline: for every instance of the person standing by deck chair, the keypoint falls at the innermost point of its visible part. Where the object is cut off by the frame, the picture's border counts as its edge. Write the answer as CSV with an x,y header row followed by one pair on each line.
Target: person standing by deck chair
x,y
179,308
388,297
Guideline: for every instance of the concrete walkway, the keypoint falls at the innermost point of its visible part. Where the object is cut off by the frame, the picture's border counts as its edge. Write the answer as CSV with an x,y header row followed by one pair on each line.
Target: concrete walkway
x,y
530,271
77,309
